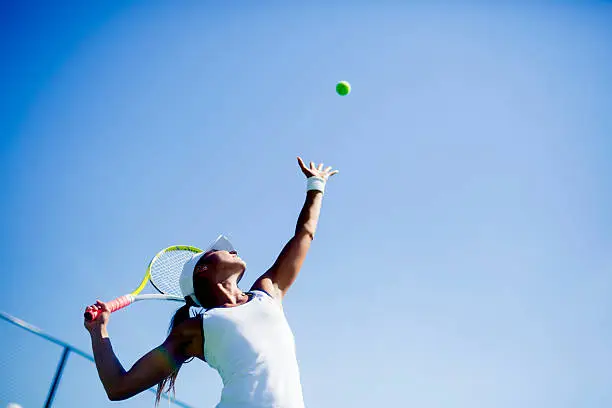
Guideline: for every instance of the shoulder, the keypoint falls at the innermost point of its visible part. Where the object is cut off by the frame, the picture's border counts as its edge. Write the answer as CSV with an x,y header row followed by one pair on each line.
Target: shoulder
x,y
264,284
187,329
267,297
187,337
262,293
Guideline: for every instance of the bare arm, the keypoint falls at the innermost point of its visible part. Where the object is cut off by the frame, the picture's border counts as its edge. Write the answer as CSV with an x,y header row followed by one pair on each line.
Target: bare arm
x,y
279,278
149,370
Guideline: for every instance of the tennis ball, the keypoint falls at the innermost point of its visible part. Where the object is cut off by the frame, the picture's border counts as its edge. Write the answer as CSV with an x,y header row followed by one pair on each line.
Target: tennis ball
x,y
343,88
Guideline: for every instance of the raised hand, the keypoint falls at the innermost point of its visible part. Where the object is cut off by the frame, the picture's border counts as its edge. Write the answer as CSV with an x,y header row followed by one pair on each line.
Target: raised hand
x,y
316,171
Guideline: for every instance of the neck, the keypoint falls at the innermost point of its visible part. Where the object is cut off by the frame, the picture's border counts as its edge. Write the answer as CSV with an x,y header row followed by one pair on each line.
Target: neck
x,y
229,294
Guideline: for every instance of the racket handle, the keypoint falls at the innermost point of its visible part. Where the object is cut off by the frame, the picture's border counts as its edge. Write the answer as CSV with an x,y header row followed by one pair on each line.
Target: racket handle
x,y
113,306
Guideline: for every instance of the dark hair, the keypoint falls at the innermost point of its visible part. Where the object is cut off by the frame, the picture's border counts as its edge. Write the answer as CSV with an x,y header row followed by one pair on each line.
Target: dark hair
x,y
181,315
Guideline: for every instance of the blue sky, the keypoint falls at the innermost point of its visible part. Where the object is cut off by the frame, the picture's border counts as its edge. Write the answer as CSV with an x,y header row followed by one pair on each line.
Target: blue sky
x,y
463,257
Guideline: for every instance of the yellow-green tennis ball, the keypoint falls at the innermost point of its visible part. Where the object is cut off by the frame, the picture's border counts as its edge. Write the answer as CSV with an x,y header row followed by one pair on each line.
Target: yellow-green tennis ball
x,y
343,88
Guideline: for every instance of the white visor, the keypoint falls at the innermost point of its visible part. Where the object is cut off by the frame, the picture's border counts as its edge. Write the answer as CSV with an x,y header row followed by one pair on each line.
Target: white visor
x,y
186,279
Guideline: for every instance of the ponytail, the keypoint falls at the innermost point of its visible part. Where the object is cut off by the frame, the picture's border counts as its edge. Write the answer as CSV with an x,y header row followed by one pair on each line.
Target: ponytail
x,y
181,315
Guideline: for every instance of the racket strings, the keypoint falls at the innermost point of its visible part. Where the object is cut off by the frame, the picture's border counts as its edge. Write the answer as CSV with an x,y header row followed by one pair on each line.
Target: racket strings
x,y
167,269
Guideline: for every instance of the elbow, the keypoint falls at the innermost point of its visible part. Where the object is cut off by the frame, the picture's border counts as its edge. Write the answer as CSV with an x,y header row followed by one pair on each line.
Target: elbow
x,y
112,396
307,231
118,393
116,396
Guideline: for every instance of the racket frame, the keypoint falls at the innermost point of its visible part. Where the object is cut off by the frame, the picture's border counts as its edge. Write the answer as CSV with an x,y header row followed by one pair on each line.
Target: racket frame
x,y
126,300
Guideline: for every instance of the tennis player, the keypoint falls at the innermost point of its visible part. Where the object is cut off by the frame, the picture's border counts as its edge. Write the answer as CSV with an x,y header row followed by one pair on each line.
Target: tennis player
x,y
243,335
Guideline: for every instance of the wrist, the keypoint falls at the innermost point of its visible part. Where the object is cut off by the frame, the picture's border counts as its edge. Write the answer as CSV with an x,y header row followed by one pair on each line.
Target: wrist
x,y
315,184
99,332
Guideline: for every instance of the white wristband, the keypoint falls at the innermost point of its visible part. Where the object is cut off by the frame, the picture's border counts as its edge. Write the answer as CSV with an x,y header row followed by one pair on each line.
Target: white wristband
x,y
315,183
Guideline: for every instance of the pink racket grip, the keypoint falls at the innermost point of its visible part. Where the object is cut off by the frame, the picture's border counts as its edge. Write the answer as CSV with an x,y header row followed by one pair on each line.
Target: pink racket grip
x,y
113,306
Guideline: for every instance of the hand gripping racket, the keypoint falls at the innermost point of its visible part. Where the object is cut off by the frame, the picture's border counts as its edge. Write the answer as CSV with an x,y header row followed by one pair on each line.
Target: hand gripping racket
x,y
164,272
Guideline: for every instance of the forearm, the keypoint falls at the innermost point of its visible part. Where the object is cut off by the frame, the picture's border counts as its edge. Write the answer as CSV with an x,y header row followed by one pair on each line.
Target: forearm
x,y
109,368
309,216
284,271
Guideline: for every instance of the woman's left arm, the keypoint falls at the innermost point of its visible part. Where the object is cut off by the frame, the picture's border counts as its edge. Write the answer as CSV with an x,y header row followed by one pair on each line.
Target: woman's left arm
x,y
279,278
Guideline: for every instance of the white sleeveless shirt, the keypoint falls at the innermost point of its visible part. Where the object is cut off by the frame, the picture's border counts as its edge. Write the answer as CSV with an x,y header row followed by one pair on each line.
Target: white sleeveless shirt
x,y
253,349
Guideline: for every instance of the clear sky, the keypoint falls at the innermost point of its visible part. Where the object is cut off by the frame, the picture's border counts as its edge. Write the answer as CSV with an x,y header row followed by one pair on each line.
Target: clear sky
x,y
464,252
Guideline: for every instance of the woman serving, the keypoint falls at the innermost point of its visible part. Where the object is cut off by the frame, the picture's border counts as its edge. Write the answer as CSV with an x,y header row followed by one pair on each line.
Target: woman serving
x,y
243,335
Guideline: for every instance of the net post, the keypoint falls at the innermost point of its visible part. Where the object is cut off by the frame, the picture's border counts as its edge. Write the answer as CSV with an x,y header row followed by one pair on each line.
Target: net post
x,y
57,377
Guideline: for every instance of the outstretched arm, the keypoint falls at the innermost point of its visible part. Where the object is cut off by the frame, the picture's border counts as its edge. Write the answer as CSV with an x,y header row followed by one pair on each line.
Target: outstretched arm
x,y
154,366
283,273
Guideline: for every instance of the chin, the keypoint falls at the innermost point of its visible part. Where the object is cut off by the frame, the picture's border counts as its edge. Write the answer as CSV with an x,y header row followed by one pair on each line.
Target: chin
x,y
239,268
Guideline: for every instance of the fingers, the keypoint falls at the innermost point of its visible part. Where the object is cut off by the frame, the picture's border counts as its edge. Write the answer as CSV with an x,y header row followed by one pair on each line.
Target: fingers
x,y
99,306
301,163
316,170
327,172
91,312
102,306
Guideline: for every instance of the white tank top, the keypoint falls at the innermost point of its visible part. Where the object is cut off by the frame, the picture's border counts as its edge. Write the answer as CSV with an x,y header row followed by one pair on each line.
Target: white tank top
x,y
253,349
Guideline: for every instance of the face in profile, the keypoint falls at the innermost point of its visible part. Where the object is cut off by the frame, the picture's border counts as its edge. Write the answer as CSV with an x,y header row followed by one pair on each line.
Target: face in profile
x,y
218,266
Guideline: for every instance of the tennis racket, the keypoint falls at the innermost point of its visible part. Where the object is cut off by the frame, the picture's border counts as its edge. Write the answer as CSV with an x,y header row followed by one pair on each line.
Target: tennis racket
x,y
163,272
